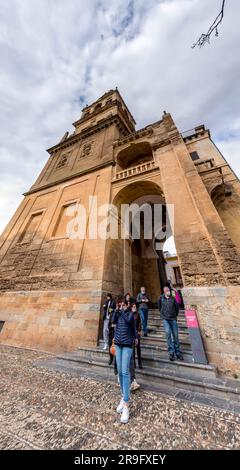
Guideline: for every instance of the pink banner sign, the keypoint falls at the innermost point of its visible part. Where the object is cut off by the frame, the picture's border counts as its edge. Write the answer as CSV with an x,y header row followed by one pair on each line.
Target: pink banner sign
x,y
191,318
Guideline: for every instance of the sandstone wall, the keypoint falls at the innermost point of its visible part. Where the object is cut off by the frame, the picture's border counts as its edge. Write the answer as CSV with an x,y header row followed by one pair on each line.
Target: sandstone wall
x,y
50,320
218,313
48,281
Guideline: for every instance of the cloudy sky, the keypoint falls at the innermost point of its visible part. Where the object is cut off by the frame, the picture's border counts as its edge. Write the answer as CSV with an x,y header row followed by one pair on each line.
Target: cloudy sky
x,y
58,55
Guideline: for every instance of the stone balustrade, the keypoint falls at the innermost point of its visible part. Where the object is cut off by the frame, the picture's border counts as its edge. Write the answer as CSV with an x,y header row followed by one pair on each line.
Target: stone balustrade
x,y
212,175
204,164
135,170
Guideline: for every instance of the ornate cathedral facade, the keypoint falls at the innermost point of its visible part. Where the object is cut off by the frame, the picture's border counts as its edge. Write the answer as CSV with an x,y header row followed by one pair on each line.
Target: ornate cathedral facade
x,y
52,283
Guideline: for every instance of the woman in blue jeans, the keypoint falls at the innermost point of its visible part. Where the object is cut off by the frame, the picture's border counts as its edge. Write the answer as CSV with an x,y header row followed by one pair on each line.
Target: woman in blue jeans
x,y
124,338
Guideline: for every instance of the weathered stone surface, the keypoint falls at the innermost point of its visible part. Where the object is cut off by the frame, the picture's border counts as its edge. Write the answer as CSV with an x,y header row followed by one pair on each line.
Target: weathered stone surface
x,y
45,409
48,277
217,311
50,320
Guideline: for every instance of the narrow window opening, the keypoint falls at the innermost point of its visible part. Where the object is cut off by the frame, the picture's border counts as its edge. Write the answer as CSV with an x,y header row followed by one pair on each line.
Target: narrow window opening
x,y
194,155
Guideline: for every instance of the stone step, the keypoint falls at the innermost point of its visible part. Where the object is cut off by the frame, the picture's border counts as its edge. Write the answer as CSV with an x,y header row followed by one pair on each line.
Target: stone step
x,y
160,335
159,326
158,363
159,323
212,386
106,374
156,318
160,330
156,314
161,351
161,339
155,310
158,349
158,340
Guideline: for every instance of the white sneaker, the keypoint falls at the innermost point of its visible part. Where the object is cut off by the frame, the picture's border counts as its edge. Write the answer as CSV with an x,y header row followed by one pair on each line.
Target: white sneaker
x,y
125,415
134,386
120,406
105,347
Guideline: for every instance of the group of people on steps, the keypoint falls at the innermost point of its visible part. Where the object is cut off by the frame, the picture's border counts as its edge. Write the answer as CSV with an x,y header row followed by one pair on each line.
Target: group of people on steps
x,y
123,324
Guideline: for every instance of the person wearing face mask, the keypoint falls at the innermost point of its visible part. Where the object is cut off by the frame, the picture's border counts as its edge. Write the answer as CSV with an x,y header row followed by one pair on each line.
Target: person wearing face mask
x,y
169,309
174,291
142,302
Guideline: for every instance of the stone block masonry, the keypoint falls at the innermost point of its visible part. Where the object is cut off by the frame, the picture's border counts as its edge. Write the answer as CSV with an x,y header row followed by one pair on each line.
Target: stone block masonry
x,y
217,311
50,320
52,285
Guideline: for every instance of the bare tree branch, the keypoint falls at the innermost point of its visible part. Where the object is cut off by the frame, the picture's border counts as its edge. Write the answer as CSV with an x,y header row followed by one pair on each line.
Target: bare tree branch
x,y
205,37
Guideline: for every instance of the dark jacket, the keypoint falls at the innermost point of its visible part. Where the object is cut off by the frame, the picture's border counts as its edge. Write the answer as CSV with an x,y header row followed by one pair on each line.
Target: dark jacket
x,y
168,307
125,332
110,329
138,323
141,304
108,304
132,299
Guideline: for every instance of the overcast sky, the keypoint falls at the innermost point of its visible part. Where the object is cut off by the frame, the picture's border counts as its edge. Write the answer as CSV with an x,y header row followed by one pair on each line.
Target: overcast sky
x,y
58,55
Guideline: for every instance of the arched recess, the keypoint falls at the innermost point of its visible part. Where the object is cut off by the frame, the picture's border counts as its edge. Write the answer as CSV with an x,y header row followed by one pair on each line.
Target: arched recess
x,y
130,263
134,154
227,203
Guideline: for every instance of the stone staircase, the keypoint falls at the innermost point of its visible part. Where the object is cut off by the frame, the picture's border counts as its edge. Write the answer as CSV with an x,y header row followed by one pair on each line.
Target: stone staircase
x,y
180,379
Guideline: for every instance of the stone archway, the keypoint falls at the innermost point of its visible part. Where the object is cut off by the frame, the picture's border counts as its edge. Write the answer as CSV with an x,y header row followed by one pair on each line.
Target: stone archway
x,y
132,262
134,154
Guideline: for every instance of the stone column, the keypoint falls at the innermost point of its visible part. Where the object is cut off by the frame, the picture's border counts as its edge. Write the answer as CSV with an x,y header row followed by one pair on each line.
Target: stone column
x,y
210,262
127,269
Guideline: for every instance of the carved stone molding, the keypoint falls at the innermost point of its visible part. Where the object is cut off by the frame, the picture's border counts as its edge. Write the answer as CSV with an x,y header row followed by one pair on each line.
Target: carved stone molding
x,y
134,136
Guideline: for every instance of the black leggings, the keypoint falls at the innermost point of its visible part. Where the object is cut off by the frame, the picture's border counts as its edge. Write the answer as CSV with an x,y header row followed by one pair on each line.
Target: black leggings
x,y
138,348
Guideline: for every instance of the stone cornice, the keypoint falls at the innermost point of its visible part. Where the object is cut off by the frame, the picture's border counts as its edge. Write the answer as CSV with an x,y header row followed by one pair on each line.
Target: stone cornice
x,y
74,138
161,143
133,136
197,133
69,177
175,137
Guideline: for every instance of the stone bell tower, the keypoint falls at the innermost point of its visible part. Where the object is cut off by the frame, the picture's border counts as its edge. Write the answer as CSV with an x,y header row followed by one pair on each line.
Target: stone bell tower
x,y
52,283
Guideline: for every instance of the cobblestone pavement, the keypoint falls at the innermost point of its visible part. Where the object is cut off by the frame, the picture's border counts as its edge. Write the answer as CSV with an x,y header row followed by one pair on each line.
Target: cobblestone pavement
x,y
46,409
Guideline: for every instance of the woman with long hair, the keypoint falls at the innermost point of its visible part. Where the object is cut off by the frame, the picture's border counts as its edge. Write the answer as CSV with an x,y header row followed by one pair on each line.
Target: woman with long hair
x,y
124,338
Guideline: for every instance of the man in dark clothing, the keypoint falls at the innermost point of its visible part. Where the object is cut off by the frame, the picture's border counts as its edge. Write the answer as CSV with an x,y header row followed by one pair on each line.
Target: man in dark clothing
x,y
169,309
138,327
110,337
108,309
142,302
